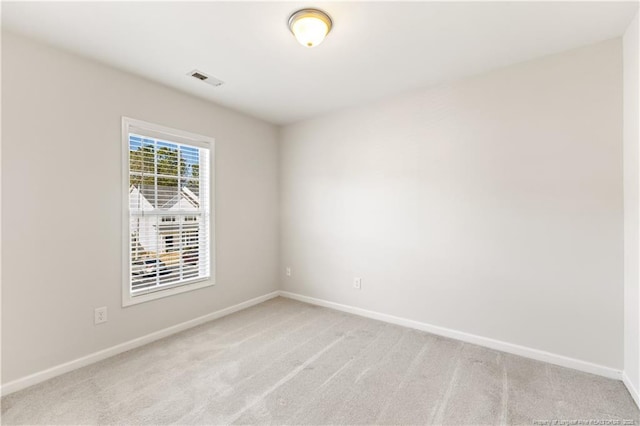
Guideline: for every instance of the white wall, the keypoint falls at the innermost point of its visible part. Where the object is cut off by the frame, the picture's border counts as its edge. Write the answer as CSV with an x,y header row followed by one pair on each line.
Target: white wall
x,y
495,197
631,73
491,206
61,201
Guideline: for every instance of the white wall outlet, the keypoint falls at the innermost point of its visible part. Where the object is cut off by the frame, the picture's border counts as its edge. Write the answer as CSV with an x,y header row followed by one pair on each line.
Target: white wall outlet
x,y
100,315
357,283
288,271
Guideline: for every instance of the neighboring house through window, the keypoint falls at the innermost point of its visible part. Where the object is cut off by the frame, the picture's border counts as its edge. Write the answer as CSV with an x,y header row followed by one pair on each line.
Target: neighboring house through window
x,y
168,220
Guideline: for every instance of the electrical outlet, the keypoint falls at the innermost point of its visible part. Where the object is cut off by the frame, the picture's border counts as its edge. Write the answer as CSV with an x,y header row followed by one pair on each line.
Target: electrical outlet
x,y
357,283
288,271
100,315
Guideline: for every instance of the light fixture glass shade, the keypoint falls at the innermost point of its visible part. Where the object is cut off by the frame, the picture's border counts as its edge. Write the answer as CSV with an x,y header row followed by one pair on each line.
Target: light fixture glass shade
x,y
310,26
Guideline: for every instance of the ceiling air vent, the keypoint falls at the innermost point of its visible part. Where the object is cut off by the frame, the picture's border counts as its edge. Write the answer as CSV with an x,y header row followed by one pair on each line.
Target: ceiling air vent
x,y
199,76
209,79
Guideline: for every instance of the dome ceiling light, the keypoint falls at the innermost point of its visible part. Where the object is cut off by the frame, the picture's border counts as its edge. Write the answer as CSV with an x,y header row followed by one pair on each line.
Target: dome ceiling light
x,y
310,26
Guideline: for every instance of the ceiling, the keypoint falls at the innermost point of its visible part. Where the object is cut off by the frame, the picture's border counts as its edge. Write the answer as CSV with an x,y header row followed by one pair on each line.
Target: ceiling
x,y
376,49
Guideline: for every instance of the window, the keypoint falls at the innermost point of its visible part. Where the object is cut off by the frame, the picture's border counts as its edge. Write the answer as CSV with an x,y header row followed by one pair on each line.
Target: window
x,y
167,221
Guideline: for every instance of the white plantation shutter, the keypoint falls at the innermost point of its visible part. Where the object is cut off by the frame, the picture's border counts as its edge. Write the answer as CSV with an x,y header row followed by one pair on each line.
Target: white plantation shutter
x,y
168,210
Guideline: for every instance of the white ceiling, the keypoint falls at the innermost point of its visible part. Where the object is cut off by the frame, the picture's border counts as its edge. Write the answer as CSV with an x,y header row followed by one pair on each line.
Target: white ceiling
x,y
375,49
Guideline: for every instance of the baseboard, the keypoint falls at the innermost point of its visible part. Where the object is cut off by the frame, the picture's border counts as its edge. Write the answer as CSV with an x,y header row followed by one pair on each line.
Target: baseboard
x,y
524,351
49,373
632,390
511,348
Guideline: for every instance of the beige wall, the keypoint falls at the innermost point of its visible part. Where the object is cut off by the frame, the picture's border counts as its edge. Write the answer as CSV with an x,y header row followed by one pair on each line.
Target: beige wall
x,y
491,206
61,201
631,206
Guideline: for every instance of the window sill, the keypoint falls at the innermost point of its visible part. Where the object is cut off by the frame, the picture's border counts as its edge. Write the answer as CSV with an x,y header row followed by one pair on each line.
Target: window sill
x,y
129,300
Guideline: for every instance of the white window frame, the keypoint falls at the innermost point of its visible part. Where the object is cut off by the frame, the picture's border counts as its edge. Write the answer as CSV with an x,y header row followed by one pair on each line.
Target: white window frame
x,y
175,135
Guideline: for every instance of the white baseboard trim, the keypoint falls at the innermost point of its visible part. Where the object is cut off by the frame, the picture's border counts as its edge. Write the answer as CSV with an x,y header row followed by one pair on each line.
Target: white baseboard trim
x,y
49,373
511,348
632,390
524,351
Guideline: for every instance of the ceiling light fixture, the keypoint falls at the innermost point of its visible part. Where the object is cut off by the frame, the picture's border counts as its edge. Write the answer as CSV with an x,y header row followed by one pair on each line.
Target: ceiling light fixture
x,y
310,26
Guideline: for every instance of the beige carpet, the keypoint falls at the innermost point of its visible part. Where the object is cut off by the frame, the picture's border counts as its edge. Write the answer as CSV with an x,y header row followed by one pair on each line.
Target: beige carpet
x,y
285,362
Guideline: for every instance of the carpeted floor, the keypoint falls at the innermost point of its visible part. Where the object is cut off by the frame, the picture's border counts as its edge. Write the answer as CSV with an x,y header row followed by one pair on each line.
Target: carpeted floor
x,y
285,362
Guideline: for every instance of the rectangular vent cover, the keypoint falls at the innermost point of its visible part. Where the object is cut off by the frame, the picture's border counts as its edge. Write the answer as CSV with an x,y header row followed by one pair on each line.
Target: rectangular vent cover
x,y
206,78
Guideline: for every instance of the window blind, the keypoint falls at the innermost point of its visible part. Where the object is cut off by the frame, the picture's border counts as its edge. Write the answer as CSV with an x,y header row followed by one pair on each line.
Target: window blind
x,y
168,213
